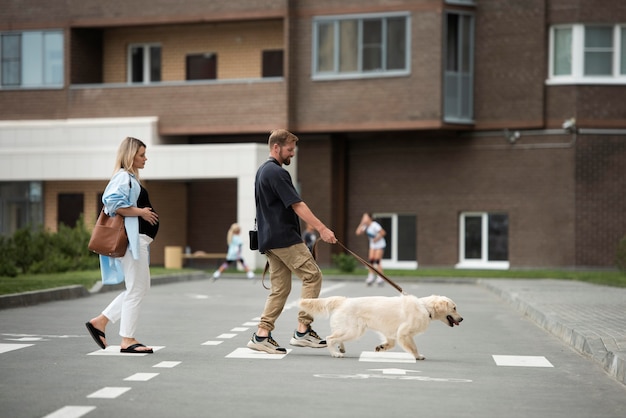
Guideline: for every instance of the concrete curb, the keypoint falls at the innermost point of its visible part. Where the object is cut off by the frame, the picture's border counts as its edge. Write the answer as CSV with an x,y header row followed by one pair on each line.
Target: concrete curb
x,y
36,297
613,362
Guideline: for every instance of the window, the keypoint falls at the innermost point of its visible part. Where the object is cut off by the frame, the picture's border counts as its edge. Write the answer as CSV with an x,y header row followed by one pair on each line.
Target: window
x,y
272,63
590,54
20,206
69,208
202,66
459,63
31,59
483,239
401,237
144,62
361,46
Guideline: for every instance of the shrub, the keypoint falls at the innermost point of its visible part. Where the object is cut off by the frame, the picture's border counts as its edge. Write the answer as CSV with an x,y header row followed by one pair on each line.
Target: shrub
x,y
7,258
38,251
345,262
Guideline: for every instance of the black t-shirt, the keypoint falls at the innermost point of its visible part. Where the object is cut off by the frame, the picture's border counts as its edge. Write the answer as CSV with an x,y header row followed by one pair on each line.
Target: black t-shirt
x,y
274,193
145,227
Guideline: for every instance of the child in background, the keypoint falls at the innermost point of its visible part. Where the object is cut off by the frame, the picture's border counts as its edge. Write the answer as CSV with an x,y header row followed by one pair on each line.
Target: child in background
x,y
233,238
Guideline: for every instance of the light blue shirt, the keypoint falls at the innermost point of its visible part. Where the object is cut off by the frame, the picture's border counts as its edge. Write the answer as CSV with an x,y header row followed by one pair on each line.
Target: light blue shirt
x,y
121,192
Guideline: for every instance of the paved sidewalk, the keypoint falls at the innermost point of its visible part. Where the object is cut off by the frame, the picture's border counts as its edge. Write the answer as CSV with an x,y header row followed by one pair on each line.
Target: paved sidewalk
x,y
590,318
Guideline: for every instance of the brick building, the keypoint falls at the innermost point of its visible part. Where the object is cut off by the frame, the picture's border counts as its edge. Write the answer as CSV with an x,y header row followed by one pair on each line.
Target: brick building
x,y
481,133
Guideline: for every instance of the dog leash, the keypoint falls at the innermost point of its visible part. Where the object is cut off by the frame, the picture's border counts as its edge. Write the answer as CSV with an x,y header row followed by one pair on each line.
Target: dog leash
x,y
355,255
367,264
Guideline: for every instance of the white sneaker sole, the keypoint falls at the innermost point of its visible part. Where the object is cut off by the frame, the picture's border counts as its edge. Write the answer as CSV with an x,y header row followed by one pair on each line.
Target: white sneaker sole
x,y
261,347
306,343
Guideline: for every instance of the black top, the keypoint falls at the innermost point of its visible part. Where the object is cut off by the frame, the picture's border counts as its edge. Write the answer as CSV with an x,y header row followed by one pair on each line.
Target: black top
x,y
274,193
145,227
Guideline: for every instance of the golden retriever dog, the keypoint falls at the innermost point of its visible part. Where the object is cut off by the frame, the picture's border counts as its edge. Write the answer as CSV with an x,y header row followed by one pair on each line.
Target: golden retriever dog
x,y
398,318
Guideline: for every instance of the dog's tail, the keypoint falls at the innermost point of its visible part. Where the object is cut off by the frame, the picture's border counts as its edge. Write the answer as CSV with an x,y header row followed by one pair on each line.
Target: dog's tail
x,y
321,306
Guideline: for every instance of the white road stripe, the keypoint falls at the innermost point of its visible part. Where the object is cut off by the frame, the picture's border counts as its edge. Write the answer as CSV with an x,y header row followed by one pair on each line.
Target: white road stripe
x,y
226,336
386,357
71,412
11,347
109,392
212,343
167,364
239,329
114,350
141,377
522,361
248,353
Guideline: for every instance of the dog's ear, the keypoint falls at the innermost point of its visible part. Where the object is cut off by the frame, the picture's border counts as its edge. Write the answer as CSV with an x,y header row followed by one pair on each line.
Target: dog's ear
x,y
440,306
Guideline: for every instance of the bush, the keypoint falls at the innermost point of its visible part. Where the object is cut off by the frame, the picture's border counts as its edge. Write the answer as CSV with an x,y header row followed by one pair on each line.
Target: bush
x,y
620,258
345,262
8,268
34,251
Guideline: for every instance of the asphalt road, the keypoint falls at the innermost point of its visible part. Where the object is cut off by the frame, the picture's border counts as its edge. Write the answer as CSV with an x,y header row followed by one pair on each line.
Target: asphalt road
x,y
496,364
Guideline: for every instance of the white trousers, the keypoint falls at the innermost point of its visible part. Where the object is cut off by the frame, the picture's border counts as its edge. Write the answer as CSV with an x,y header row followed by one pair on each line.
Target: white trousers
x,y
137,279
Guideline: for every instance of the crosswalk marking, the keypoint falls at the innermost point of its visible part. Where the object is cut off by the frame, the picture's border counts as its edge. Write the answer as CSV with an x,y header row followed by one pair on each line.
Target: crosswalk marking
x,y
167,364
245,352
386,357
114,350
212,342
141,377
109,392
71,411
4,348
522,361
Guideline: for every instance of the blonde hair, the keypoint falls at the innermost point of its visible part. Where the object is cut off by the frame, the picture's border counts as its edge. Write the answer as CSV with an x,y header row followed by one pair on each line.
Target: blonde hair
x,y
126,154
231,231
281,137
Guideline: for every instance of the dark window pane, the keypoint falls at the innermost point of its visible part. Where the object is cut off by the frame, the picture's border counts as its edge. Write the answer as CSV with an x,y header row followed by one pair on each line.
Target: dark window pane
x,y
155,63
473,237
385,222
273,63
396,43
69,209
407,236
372,45
202,67
11,57
498,237
136,58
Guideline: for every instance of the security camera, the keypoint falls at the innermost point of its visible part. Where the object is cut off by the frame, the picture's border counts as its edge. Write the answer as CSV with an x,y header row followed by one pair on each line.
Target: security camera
x,y
569,124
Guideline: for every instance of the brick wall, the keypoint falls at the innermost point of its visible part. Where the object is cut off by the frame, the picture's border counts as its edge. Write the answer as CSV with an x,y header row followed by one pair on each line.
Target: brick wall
x,y
437,178
238,47
407,102
600,198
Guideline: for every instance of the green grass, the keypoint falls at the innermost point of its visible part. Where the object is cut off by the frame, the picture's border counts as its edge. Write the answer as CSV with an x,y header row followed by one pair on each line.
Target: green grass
x,y
604,277
25,283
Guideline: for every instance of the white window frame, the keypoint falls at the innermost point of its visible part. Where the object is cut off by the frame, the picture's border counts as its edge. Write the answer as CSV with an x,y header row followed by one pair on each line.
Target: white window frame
x,y
38,67
577,75
393,261
336,74
147,79
483,262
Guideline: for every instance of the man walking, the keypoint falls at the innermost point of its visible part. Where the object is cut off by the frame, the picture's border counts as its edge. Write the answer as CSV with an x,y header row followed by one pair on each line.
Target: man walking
x,y
279,209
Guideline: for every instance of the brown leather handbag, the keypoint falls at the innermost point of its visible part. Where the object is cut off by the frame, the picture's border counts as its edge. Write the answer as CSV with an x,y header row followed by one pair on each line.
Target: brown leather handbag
x,y
109,236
